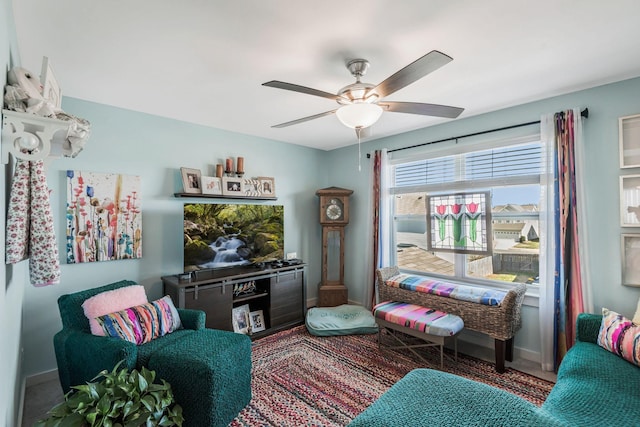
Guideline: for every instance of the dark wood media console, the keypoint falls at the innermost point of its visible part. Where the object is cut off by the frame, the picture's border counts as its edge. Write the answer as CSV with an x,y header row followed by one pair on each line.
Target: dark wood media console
x,y
279,292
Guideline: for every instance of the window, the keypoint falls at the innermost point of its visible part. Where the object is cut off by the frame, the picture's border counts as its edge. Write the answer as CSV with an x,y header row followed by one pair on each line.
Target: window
x,y
511,174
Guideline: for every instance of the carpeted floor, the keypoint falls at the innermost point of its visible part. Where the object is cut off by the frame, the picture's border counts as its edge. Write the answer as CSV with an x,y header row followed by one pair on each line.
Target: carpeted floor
x,y
302,380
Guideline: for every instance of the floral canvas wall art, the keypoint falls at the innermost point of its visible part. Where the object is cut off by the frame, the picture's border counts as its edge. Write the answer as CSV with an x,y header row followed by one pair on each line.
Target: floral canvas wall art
x,y
459,223
104,218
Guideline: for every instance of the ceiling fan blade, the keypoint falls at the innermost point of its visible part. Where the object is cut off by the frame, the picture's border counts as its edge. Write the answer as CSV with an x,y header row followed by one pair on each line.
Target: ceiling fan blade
x,y
302,89
412,72
304,119
435,110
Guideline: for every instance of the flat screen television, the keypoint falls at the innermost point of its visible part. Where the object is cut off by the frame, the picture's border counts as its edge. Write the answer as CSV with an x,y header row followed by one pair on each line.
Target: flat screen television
x,y
231,235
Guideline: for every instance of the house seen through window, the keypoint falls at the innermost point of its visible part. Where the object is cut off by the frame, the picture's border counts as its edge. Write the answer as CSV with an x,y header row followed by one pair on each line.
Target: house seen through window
x,y
511,174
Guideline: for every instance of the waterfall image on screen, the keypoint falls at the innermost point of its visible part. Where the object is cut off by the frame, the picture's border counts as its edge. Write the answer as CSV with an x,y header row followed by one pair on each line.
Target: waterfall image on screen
x,y
229,235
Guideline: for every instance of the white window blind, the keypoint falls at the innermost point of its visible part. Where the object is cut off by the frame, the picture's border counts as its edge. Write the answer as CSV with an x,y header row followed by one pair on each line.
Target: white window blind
x,y
503,162
497,163
426,172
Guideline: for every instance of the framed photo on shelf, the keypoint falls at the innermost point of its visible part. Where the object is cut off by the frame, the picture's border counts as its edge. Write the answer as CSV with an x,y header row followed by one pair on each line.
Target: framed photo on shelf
x,y
256,320
211,185
267,186
629,140
251,187
50,88
630,259
630,201
240,319
191,181
232,186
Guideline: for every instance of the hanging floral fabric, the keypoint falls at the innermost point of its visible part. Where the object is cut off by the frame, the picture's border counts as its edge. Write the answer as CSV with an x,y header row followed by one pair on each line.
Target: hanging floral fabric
x,y
30,232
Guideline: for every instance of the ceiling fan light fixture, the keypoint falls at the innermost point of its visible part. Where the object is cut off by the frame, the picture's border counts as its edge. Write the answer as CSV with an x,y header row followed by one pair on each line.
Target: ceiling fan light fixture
x,y
359,115
355,92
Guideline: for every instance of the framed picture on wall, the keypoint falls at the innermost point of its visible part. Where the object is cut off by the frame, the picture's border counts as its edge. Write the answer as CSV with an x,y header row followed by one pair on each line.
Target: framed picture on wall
x,y
629,140
630,259
90,226
630,201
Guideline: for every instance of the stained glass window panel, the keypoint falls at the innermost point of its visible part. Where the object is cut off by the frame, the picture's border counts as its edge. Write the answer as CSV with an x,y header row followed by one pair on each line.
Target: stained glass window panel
x,y
459,223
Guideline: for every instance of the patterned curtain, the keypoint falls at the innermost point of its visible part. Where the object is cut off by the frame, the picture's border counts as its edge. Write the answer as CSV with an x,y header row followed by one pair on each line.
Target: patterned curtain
x,y
377,169
378,238
568,292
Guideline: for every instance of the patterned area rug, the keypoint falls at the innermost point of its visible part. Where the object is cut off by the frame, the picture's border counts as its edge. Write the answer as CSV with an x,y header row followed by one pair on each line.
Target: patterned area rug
x,y
303,380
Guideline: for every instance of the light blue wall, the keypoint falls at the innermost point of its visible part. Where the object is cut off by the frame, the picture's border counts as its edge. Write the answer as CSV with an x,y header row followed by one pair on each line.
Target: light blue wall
x,y
11,286
155,148
606,104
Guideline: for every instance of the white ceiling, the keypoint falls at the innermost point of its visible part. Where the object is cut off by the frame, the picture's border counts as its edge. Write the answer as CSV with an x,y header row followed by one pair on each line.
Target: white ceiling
x,y
203,61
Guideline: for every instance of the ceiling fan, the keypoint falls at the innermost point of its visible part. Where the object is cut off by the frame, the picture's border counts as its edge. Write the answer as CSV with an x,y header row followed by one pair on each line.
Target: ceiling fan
x,y
362,104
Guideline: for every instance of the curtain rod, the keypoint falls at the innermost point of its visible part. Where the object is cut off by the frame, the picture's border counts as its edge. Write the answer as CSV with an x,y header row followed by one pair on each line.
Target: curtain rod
x,y
584,113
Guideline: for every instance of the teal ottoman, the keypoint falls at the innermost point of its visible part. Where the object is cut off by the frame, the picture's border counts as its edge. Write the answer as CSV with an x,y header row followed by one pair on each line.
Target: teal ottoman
x,y
210,374
429,398
344,319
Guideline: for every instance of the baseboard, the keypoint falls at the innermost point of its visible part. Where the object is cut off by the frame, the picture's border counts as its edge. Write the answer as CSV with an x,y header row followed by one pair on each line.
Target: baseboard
x,y
42,377
526,354
482,340
19,411
23,392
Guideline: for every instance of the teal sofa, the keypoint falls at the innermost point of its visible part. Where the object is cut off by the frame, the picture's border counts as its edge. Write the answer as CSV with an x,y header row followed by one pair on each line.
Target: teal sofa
x,y
209,370
594,388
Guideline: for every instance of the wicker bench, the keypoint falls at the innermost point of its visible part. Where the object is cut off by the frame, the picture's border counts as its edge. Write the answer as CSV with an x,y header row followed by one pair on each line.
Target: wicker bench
x,y
500,322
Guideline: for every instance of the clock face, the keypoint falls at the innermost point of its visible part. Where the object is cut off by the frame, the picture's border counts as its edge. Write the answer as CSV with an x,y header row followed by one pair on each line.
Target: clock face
x,y
333,211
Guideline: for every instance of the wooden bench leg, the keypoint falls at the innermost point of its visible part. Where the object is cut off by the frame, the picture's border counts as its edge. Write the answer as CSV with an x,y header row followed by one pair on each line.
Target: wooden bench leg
x,y
504,351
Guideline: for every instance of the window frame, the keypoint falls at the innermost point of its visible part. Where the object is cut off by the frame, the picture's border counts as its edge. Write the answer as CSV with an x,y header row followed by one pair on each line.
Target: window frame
x,y
460,264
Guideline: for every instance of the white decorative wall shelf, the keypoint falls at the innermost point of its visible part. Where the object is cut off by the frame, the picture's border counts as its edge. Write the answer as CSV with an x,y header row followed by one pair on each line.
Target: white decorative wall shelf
x,y
220,196
43,137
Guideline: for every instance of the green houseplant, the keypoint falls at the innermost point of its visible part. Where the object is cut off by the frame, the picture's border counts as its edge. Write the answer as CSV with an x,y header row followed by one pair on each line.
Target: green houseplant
x,y
120,399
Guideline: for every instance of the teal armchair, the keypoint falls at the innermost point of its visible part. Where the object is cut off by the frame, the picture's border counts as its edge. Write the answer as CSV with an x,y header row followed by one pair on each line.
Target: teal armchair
x,y
81,355
210,399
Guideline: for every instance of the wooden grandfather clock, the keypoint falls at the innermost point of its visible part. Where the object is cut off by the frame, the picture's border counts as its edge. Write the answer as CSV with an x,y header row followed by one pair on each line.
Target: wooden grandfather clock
x,y
334,216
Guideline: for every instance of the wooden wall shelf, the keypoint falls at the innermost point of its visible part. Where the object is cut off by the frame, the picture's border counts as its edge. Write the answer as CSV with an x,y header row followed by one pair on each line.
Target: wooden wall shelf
x,y
221,196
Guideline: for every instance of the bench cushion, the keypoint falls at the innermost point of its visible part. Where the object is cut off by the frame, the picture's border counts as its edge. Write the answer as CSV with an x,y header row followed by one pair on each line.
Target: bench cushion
x,y
344,319
416,283
427,320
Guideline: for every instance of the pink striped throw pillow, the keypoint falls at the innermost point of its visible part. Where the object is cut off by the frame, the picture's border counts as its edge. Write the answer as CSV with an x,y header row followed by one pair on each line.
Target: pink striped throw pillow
x,y
620,336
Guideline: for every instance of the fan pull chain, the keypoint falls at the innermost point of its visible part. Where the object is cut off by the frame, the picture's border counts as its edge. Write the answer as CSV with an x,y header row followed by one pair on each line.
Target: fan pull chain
x,y
358,129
